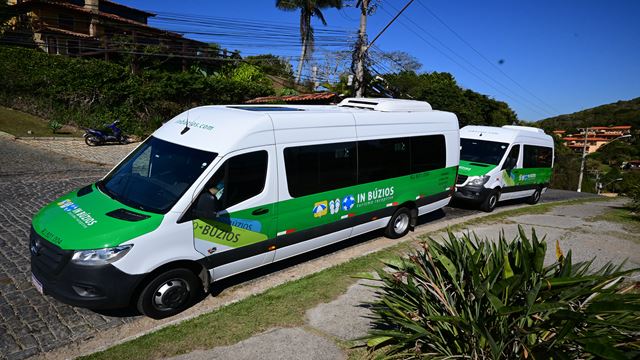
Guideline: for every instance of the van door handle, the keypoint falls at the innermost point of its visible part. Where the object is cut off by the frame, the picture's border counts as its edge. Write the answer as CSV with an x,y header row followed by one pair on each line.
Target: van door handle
x,y
260,211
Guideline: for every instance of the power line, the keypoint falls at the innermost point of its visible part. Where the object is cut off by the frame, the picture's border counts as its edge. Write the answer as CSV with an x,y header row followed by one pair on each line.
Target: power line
x,y
523,102
485,58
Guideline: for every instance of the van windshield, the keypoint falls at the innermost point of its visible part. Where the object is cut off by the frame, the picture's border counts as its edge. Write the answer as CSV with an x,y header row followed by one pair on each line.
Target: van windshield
x,y
155,175
482,151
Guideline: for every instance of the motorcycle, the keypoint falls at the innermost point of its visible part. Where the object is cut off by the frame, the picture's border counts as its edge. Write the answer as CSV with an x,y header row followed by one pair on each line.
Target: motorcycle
x,y
93,137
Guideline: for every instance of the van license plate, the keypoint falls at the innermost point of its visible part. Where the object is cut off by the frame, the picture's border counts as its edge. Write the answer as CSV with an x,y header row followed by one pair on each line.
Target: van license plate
x,y
37,284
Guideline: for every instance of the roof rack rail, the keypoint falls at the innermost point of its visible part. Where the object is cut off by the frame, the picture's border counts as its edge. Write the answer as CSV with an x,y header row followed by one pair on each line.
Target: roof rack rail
x,y
524,128
386,104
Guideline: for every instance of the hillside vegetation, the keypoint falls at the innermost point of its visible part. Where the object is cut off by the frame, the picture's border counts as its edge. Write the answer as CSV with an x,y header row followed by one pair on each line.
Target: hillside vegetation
x,y
624,112
92,92
605,164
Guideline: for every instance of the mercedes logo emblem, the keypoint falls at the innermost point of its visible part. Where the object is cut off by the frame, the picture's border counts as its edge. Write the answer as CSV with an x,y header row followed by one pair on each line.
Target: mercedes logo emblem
x,y
35,247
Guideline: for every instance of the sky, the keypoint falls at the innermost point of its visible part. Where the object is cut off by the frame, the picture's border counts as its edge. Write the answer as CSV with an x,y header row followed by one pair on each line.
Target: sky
x,y
544,58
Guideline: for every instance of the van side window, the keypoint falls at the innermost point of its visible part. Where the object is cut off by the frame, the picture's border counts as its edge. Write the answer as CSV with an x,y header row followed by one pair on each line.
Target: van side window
x,y
512,159
317,168
239,178
537,156
383,159
428,153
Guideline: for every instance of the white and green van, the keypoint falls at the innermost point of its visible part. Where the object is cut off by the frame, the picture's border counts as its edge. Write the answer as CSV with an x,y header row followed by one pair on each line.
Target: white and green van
x,y
219,190
503,163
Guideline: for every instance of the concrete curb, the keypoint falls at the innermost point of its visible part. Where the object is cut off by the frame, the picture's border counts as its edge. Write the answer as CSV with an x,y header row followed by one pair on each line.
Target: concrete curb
x,y
7,135
144,326
49,138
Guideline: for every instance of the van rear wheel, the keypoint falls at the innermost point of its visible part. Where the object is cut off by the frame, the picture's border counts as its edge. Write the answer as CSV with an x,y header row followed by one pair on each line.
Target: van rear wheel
x,y
399,224
169,293
535,197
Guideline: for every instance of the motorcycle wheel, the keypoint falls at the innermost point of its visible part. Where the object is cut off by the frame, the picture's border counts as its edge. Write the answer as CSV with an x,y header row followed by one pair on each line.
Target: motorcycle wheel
x,y
92,140
124,140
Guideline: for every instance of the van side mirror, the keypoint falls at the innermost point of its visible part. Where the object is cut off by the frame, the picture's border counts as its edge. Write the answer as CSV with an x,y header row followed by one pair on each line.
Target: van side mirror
x,y
206,206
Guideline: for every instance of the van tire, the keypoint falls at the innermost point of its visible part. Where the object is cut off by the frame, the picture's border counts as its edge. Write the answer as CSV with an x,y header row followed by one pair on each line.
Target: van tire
x,y
169,293
535,197
489,203
399,224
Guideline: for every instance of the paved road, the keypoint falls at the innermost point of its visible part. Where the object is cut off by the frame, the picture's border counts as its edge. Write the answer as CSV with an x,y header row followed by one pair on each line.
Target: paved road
x,y
30,177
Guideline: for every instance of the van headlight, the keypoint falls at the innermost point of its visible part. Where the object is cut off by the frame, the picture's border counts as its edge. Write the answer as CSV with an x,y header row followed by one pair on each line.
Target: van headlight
x,y
100,256
478,180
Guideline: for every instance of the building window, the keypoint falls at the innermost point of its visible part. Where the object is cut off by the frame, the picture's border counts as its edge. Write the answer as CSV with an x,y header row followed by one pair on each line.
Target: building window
x,y
73,47
52,45
65,22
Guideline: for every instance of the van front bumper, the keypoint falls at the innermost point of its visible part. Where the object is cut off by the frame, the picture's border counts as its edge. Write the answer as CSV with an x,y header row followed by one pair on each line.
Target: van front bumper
x,y
474,193
93,287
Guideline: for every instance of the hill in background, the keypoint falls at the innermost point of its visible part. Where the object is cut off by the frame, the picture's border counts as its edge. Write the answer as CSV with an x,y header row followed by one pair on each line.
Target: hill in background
x,y
625,112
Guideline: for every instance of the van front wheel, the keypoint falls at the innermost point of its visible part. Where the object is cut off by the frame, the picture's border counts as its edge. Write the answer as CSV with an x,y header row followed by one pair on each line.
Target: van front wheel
x,y
169,293
399,224
490,202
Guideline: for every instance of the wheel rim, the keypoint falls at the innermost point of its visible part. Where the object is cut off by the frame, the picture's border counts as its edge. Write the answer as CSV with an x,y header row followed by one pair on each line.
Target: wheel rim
x,y
401,224
536,195
171,295
492,201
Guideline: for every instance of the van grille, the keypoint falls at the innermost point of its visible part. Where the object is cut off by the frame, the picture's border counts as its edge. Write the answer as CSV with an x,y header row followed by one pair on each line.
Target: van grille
x,y
45,256
461,179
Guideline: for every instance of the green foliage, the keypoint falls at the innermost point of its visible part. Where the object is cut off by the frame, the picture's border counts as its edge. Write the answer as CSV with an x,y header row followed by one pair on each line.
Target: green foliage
x,y
287,92
93,92
478,299
566,167
54,126
443,93
618,113
272,65
634,194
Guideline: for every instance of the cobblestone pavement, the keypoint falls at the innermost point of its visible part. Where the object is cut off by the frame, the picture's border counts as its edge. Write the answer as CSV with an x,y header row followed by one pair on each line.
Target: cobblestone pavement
x,y
29,322
76,148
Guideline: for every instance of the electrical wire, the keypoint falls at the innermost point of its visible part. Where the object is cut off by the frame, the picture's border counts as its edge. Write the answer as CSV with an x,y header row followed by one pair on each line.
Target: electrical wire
x,y
485,58
512,97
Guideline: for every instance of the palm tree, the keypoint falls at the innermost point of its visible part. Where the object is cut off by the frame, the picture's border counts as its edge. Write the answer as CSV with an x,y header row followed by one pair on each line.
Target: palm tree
x,y
308,8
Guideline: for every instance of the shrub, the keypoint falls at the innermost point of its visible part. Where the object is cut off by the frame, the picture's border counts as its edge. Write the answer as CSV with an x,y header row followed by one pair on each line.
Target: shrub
x,y
54,126
91,92
475,299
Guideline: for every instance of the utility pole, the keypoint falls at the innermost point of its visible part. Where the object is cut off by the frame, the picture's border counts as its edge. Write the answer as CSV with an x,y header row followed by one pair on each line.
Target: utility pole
x,y
584,157
361,47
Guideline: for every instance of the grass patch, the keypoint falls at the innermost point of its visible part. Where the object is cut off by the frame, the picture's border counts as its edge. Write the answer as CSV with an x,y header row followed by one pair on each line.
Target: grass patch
x,y
282,306
18,123
624,216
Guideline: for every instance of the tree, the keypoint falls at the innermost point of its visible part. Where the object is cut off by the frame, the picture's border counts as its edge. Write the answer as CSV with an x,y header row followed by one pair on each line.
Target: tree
x,y
308,9
399,61
442,91
271,64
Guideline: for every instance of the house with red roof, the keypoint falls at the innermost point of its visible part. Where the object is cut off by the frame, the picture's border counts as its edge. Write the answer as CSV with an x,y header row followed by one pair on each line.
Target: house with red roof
x,y
93,28
595,137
